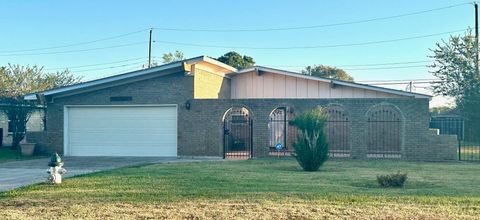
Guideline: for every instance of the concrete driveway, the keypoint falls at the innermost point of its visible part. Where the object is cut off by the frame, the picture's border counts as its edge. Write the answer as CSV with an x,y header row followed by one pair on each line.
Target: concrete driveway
x,y
21,173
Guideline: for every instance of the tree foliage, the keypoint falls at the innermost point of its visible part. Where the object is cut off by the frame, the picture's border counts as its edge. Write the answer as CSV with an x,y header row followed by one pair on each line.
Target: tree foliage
x,y
311,147
455,64
169,57
236,60
327,72
17,81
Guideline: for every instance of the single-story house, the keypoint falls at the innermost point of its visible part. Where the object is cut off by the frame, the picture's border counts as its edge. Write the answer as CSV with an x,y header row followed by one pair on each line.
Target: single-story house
x,y
201,107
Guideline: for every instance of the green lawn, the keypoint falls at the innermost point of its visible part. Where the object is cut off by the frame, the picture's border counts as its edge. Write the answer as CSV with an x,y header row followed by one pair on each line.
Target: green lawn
x,y
256,189
8,155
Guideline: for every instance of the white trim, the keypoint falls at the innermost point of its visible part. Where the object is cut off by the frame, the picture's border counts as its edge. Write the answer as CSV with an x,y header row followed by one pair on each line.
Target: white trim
x,y
337,82
66,150
212,61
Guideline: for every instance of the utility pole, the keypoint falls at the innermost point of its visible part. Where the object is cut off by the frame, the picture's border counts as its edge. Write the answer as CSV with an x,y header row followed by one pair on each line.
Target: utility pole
x,y
476,36
150,50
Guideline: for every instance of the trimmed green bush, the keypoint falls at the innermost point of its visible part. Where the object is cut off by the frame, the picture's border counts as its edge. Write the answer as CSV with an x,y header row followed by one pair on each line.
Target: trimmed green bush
x,y
311,147
392,180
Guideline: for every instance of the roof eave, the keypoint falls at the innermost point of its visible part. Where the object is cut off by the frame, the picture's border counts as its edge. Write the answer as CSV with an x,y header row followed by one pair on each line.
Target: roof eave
x,y
33,96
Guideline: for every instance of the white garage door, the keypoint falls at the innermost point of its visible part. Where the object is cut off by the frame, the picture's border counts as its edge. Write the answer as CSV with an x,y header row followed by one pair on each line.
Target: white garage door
x,y
121,131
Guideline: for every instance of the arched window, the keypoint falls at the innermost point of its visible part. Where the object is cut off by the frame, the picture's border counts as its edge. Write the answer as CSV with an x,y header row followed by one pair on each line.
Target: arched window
x,y
384,132
281,132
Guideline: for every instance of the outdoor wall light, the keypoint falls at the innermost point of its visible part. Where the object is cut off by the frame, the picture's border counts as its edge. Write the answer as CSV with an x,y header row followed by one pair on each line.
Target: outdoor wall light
x,y
187,105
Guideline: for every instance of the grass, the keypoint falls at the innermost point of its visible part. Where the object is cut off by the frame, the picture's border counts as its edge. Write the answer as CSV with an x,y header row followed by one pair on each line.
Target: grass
x,y
256,189
10,155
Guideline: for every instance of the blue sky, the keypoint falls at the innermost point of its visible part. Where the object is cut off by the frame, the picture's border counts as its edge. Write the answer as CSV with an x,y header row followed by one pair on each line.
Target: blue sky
x,y
37,24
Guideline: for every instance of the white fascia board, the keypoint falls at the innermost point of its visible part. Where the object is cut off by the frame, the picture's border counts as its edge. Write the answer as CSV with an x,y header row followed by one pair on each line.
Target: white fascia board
x,y
212,61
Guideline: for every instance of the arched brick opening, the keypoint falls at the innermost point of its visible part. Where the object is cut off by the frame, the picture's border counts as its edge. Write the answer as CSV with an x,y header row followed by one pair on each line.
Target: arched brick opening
x,y
384,132
281,133
237,133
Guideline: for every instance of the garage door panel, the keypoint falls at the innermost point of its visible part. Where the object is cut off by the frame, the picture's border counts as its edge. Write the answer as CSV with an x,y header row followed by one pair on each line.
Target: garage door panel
x,y
122,131
117,123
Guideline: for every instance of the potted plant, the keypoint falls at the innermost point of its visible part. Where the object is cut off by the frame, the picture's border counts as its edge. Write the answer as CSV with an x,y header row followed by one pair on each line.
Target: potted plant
x,y
27,148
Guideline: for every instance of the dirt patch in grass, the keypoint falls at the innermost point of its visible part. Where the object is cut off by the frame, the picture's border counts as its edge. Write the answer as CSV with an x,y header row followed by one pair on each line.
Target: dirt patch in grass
x,y
234,209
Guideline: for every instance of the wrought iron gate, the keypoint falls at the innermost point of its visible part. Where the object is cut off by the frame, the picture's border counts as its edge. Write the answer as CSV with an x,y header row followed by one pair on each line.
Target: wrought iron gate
x,y
237,134
337,129
469,144
281,132
467,132
384,134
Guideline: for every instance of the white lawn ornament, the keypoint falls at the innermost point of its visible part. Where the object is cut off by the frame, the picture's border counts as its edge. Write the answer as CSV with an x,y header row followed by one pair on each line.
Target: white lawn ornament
x,y
56,171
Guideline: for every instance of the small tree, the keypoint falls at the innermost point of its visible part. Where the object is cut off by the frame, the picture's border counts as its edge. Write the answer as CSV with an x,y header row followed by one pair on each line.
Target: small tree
x,y
169,57
18,112
311,147
17,81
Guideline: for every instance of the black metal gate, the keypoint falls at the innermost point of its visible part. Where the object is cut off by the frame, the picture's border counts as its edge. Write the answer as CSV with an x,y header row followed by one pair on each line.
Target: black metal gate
x,y
384,134
281,132
237,134
469,144
337,130
467,132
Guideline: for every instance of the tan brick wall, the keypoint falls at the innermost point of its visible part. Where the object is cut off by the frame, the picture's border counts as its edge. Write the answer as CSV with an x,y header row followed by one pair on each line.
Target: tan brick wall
x,y
200,128
208,85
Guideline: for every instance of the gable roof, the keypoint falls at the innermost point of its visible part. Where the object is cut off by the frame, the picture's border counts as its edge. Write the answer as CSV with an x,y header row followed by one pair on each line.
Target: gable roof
x,y
333,81
129,75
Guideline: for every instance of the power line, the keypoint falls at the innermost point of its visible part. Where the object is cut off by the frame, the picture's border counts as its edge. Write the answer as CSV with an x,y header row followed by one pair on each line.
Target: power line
x,y
110,67
73,51
354,65
398,80
76,44
97,64
312,26
402,83
310,47
388,68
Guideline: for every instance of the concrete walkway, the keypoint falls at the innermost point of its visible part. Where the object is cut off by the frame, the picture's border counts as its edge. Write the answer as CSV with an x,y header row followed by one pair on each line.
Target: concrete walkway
x,y
26,172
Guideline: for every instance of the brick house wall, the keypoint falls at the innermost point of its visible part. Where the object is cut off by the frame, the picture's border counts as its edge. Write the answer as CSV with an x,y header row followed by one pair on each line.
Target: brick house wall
x,y
200,129
208,85
418,142
174,88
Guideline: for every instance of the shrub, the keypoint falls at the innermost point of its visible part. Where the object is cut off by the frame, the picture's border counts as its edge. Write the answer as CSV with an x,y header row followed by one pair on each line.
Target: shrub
x,y
392,180
311,147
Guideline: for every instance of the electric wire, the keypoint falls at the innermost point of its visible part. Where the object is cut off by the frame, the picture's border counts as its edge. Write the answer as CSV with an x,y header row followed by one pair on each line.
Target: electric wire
x,y
96,64
76,44
311,46
74,51
312,26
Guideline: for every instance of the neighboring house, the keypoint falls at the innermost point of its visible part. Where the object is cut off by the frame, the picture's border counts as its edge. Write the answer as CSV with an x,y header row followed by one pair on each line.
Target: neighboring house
x,y
201,107
34,124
